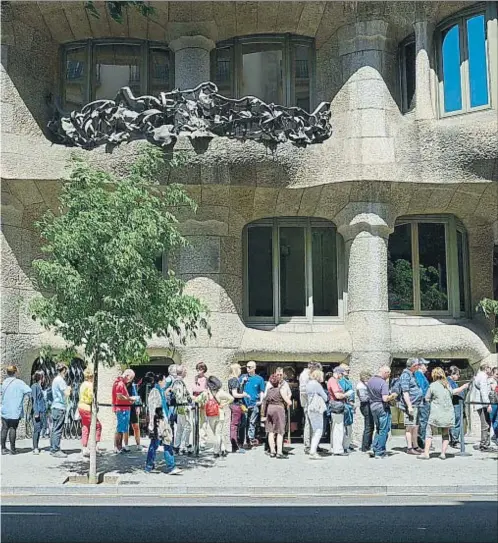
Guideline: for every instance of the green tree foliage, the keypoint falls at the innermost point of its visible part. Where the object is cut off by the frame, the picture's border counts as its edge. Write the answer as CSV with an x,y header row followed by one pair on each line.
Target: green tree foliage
x,y
117,9
490,309
104,292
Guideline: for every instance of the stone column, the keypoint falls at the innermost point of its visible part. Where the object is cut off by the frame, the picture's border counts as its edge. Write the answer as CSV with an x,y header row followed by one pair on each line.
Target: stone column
x,y
423,45
365,228
192,60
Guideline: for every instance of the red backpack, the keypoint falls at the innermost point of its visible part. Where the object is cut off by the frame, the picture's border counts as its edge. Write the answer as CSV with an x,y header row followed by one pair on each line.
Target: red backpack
x,y
212,406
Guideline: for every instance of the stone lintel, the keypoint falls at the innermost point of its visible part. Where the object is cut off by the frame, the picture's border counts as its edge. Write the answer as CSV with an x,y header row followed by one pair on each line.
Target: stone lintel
x,y
191,42
371,217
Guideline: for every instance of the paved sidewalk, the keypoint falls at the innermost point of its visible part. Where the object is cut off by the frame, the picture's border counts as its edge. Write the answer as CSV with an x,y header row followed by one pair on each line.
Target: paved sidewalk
x,y
254,473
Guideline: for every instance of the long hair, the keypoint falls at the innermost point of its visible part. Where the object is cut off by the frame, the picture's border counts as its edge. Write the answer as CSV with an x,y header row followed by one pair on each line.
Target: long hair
x,y
439,375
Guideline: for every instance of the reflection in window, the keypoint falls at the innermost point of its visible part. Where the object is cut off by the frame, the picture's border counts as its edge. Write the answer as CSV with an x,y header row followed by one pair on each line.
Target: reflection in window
x,y
399,268
276,69
464,64
116,66
418,276
160,71
302,281
75,83
407,57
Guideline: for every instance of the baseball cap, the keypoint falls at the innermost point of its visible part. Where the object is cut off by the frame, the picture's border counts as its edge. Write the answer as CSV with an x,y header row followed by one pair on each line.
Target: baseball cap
x,y
411,362
339,370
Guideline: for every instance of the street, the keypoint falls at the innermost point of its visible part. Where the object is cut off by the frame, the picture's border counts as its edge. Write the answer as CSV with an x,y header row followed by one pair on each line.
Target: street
x,y
369,519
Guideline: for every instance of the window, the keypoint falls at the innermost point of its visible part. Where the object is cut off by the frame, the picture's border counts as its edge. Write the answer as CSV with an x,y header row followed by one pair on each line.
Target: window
x,y
97,69
427,267
464,62
291,270
407,57
276,69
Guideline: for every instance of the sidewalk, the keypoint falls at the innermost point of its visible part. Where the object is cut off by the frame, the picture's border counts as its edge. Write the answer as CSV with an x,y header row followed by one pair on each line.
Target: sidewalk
x,y
253,473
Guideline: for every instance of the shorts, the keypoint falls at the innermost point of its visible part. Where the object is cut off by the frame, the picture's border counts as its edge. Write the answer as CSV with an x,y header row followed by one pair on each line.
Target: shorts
x,y
275,419
123,421
411,420
133,416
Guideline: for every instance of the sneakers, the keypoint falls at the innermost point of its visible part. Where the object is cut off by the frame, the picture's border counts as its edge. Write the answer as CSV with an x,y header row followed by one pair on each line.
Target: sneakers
x,y
282,457
176,450
379,456
126,449
442,457
5,451
239,451
307,451
58,454
344,453
85,452
315,457
175,471
190,450
423,457
118,451
36,451
224,453
140,448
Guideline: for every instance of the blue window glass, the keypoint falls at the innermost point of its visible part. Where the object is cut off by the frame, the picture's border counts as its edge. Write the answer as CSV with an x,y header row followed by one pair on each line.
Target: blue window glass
x,y
451,70
478,77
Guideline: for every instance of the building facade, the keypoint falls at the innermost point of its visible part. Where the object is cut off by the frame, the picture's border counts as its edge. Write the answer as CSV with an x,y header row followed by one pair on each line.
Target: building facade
x,y
372,246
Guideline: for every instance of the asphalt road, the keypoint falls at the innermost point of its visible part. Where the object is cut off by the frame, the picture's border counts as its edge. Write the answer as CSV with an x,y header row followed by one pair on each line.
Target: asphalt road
x,y
363,519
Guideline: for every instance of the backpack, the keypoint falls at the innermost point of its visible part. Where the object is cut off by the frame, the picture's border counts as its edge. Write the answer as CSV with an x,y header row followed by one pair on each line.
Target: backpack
x,y
180,395
212,406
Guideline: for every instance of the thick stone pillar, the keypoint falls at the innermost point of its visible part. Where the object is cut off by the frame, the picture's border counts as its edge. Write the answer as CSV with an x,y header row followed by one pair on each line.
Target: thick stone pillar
x,y
424,108
192,60
365,228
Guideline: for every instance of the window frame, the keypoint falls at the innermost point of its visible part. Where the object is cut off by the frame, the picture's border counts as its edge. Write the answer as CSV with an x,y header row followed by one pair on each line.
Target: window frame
x,y
452,225
309,318
488,10
287,41
146,46
405,106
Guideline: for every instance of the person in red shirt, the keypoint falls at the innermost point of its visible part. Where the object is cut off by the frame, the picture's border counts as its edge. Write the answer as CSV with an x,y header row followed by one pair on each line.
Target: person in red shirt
x,y
337,402
121,403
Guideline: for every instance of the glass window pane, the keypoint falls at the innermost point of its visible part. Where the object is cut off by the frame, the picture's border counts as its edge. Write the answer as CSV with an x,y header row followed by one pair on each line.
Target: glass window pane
x,y
399,268
292,272
461,269
478,75
259,273
432,255
75,78
262,72
159,71
451,69
324,260
302,76
116,66
409,76
224,71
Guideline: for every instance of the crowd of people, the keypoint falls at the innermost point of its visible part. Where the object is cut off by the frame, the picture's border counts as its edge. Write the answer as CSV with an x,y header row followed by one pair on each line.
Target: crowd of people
x,y
258,410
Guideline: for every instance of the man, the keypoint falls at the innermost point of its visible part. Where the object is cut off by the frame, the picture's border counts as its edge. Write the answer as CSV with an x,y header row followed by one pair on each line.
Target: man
x,y
480,397
183,408
254,385
13,392
200,385
425,407
60,392
338,396
453,378
378,392
347,386
411,398
121,404
304,377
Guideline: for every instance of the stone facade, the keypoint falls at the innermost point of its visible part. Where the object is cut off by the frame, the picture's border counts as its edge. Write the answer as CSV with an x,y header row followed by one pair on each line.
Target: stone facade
x,y
379,165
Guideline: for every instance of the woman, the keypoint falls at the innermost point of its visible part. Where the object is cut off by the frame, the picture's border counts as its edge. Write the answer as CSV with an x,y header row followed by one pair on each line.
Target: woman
x,y
363,397
213,402
273,413
442,414
316,406
85,410
237,409
200,385
183,407
134,427
39,409
338,398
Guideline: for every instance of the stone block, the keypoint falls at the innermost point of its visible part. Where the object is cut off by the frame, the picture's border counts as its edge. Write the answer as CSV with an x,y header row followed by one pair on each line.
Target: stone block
x,y
372,94
242,200
362,65
370,330
201,256
78,20
332,200
217,195
231,255
27,325
377,150
56,21
288,202
12,210
289,14
137,24
265,201
26,191
267,17
7,122
215,174
10,299
11,256
370,191
246,17
310,18
309,201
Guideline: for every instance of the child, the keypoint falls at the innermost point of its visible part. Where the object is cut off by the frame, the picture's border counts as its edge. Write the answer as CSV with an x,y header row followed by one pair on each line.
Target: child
x,y
160,434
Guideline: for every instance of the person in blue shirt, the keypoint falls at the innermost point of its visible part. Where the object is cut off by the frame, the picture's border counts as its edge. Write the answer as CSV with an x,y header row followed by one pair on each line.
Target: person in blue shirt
x,y
13,391
425,407
458,394
254,386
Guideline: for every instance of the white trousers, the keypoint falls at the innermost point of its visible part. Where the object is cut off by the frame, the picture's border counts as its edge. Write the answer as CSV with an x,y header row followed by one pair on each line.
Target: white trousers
x,y
183,429
218,428
348,436
316,422
337,434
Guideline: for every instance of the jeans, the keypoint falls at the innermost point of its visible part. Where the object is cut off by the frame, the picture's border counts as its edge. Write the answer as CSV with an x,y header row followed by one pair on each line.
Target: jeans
x,y
58,416
38,426
9,426
485,424
382,421
423,414
316,423
455,431
494,420
235,423
169,457
337,433
368,427
303,398
252,417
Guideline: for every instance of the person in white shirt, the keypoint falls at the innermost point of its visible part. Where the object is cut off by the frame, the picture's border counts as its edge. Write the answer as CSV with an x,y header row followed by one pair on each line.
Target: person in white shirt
x,y
480,398
303,399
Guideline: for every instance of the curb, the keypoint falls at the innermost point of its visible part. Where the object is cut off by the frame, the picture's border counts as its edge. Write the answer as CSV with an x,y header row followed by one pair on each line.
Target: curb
x,y
195,492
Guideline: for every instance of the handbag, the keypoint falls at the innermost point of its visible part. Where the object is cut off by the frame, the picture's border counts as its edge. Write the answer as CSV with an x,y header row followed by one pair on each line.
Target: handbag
x,y
337,408
317,404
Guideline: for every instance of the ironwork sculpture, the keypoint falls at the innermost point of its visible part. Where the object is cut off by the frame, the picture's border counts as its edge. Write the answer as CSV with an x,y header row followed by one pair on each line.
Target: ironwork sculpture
x,y
196,113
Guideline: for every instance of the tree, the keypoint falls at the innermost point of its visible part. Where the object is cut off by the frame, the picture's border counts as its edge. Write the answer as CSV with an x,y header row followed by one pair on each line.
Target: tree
x,y
104,292
490,309
116,9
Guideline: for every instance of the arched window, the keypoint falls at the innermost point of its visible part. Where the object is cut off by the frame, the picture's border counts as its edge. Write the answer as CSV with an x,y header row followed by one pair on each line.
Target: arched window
x,y
428,267
97,69
291,270
275,68
463,51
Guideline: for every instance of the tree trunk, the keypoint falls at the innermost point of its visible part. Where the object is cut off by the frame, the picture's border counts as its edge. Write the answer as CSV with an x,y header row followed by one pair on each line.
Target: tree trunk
x,y
92,475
